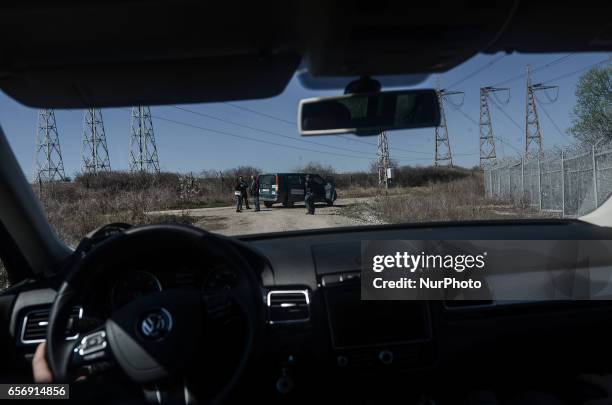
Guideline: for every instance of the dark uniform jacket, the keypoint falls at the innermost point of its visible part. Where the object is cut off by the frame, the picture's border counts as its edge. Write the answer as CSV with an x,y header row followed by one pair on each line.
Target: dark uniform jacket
x,y
308,186
254,188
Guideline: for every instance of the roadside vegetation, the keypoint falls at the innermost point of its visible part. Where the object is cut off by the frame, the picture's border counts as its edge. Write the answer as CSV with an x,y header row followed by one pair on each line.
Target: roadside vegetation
x,y
77,207
420,194
457,200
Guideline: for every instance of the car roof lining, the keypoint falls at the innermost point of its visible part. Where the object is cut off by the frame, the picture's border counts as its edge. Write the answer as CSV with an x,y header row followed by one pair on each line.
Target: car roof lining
x,y
101,54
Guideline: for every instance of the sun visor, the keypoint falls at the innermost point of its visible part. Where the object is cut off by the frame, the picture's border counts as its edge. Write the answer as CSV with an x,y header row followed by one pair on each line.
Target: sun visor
x,y
236,77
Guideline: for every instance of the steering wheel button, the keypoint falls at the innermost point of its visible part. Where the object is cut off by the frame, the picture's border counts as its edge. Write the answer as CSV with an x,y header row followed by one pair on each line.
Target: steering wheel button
x,y
93,356
92,343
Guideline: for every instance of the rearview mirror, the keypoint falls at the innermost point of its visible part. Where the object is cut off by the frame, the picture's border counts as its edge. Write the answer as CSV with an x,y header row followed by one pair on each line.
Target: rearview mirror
x,y
369,113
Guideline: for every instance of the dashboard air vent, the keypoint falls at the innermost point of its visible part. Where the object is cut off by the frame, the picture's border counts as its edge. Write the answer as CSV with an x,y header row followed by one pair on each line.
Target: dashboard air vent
x,y
288,306
35,324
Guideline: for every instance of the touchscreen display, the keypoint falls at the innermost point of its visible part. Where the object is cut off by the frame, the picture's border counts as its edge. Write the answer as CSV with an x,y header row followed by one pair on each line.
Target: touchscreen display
x,y
354,322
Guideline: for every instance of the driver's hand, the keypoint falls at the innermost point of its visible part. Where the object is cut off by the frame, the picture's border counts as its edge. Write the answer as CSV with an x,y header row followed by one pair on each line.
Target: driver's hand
x,y
40,368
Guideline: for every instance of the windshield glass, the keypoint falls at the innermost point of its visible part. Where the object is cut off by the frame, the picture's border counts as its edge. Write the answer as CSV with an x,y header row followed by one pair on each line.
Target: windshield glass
x,y
522,136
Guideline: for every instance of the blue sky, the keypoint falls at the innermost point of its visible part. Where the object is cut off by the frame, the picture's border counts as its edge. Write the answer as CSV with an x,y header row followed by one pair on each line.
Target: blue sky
x,y
187,148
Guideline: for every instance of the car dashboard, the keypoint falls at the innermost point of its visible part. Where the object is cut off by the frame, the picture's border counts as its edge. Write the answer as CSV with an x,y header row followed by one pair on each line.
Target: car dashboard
x,y
320,335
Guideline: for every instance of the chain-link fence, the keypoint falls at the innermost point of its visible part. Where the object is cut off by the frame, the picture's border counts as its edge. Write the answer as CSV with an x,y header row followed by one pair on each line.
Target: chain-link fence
x,y
568,182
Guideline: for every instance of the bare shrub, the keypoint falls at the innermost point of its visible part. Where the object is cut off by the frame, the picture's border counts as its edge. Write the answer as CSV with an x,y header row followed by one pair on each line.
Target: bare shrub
x,y
325,171
76,208
457,200
405,176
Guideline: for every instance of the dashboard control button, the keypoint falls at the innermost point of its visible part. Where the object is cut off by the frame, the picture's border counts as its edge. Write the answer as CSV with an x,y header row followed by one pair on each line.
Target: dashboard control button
x,y
342,361
385,357
331,280
353,276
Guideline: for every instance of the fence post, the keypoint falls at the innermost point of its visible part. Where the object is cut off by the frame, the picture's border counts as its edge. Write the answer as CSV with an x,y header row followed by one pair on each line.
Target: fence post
x,y
522,178
562,186
594,176
539,183
508,169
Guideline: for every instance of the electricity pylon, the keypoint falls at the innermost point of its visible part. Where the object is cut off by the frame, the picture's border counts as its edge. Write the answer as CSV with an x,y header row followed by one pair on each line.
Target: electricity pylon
x,y
487,140
49,163
94,155
383,160
443,148
533,133
143,151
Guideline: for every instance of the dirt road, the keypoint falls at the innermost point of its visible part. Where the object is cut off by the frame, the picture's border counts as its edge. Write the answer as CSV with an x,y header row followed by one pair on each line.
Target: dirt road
x,y
227,221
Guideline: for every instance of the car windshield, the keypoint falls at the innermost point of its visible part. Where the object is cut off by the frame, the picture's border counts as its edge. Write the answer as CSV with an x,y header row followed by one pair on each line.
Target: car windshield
x,y
522,136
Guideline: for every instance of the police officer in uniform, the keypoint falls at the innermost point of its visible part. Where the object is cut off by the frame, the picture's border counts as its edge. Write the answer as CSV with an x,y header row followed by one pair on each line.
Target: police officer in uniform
x,y
254,190
244,191
309,196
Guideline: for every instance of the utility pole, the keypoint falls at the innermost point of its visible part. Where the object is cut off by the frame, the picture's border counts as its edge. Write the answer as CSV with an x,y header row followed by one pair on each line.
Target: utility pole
x,y
94,155
143,151
49,163
533,133
383,160
443,148
487,140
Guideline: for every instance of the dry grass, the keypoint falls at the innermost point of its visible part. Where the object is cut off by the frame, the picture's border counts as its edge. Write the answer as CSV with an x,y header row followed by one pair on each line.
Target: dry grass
x,y
458,200
76,208
358,191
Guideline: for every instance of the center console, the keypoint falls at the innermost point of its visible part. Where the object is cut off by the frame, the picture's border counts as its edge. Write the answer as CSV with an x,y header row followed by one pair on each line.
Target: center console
x,y
367,334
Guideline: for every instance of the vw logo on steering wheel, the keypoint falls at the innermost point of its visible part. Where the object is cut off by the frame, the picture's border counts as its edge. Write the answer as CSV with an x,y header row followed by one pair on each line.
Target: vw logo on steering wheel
x,y
156,324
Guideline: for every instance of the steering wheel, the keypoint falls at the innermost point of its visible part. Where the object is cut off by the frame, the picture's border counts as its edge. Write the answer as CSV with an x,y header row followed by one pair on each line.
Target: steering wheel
x,y
163,341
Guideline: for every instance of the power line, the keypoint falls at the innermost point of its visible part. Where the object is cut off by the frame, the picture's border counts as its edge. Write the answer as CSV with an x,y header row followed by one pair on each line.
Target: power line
x,y
293,123
416,152
502,140
275,133
474,73
552,121
186,124
497,137
467,116
516,124
269,132
254,139
609,59
270,142
262,114
546,65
